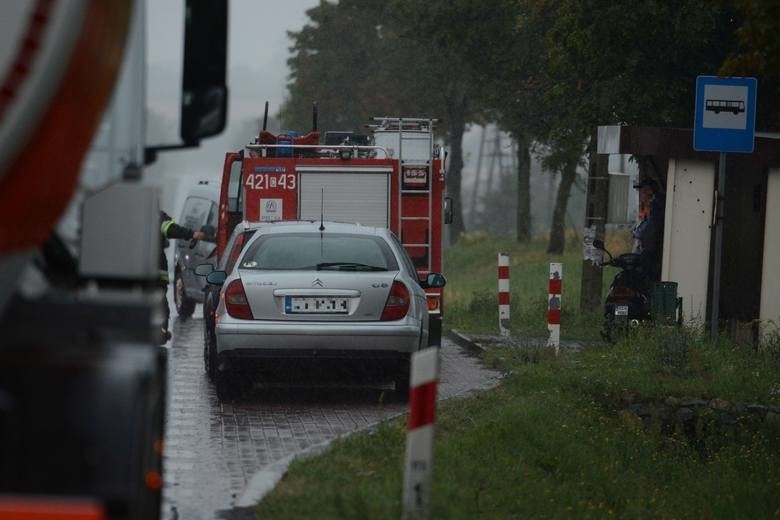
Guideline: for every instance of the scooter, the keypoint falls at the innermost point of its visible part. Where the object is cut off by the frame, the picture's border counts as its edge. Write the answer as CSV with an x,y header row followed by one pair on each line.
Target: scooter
x,y
628,301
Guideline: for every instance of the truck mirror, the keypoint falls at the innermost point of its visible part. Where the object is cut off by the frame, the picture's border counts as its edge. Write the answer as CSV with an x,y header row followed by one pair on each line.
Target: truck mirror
x,y
448,210
204,89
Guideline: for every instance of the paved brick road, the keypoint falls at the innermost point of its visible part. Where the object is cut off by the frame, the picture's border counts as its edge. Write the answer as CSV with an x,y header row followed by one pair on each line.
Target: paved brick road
x,y
219,457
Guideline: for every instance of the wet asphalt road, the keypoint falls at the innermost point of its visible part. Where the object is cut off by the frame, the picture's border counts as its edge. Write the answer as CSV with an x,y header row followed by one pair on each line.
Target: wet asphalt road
x,y
221,458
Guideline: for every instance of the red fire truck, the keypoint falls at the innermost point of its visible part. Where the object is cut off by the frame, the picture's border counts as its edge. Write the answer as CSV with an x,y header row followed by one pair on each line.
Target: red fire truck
x,y
392,177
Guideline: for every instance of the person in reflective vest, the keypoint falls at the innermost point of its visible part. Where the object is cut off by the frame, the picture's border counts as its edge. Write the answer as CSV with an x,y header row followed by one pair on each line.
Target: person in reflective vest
x,y
171,230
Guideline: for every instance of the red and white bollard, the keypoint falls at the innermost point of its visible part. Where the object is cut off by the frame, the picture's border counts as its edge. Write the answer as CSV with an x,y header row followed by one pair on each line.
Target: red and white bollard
x,y
554,306
419,439
503,294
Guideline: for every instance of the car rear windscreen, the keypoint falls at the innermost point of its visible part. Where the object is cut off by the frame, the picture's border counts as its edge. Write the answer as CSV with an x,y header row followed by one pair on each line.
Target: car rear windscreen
x,y
301,251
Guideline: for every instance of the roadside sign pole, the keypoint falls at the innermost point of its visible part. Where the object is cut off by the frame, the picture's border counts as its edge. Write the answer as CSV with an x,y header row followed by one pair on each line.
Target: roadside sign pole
x,y
554,292
503,295
716,266
419,439
724,121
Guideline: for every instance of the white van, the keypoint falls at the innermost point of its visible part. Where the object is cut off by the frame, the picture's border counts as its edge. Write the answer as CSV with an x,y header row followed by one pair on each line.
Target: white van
x,y
200,212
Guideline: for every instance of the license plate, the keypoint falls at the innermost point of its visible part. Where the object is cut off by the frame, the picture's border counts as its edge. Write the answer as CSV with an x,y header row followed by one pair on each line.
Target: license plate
x,y
319,305
621,310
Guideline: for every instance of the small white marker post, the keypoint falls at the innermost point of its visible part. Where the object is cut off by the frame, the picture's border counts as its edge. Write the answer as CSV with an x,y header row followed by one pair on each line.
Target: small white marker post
x,y
554,291
419,439
503,294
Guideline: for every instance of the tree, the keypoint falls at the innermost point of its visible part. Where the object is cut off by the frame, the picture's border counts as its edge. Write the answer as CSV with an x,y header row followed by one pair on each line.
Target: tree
x,y
351,61
634,63
509,92
758,54
565,161
360,58
457,36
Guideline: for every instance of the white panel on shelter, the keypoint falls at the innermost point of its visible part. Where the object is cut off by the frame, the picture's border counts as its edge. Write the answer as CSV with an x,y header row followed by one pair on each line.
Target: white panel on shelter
x,y
770,277
689,204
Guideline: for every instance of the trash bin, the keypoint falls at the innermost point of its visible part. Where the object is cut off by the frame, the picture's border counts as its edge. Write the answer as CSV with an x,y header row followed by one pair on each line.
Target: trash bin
x,y
664,302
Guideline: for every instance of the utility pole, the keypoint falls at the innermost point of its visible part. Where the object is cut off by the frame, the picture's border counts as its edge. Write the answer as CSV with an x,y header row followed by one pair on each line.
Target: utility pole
x,y
596,202
496,154
475,191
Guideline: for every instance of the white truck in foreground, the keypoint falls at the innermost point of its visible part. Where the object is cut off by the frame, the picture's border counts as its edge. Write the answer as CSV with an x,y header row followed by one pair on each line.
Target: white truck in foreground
x,y
82,374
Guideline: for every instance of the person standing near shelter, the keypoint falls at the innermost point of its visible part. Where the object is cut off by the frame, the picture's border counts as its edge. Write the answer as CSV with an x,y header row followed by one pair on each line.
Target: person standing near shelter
x,y
645,195
168,230
649,232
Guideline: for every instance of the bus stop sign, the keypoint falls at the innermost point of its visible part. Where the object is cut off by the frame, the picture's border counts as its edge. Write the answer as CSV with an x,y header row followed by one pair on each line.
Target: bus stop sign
x,y
725,119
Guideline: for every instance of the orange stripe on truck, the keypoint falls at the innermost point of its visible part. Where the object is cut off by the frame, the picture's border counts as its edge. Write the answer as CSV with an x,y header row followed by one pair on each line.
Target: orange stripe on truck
x,y
41,179
18,508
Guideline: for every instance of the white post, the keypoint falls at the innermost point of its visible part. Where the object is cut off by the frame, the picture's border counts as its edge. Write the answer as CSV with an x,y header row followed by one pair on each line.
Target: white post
x,y
554,291
419,439
503,294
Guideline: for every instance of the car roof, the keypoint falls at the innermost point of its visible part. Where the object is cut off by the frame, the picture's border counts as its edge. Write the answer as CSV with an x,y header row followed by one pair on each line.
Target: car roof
x,y
208,189
313,226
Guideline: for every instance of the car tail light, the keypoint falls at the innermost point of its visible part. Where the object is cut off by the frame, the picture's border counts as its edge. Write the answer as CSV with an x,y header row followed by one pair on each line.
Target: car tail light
x,y
434,303
235,301
397,304
622,292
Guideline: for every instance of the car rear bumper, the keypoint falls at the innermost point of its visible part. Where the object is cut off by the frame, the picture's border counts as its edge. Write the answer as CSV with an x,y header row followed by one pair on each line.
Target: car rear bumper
x,y
335,340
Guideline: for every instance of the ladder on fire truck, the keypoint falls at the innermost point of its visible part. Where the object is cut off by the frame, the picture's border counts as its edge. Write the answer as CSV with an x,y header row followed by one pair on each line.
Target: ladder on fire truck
x,y
413,140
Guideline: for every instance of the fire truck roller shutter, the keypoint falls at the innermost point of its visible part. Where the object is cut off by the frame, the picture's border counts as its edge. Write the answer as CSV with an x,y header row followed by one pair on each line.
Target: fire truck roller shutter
x,y
354,196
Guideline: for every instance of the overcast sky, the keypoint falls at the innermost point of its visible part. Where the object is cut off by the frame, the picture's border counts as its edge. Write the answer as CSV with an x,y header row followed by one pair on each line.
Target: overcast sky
x,y
257,48
258,52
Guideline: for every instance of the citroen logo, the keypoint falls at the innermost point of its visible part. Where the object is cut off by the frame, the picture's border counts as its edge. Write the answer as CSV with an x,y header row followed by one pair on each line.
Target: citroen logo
x,y
317,282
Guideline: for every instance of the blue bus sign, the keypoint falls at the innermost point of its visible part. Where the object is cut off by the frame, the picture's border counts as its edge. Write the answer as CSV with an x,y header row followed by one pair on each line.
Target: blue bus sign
x,y
725,119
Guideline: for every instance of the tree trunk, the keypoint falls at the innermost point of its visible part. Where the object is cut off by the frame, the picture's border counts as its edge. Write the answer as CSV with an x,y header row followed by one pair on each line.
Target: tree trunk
x,y
595,219
523,187
558,225
456,124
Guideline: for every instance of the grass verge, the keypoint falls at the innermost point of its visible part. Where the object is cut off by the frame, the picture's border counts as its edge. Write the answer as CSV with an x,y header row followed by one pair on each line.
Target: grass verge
x,y
471,296
558,438
555,440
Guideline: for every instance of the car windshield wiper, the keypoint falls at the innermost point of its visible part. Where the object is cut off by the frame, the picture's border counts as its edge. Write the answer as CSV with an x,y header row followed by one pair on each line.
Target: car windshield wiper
x,y
348,266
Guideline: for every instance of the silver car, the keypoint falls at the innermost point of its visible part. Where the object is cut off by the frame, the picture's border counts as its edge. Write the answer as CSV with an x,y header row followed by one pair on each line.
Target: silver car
x,y
320,291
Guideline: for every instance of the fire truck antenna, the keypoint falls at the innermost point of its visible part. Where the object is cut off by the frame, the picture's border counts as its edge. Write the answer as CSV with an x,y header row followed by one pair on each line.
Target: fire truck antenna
x,y
314,116
322,210
265,116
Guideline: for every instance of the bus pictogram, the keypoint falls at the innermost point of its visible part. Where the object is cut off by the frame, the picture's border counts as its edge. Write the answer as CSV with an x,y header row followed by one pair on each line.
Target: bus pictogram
x,y
724,105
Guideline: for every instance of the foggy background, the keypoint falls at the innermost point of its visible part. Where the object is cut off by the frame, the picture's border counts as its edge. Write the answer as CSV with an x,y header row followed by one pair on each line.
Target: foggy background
x,y
258,49
257,71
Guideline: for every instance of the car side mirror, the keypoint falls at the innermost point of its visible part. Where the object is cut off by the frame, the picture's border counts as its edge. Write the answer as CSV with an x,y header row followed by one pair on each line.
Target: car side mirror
x,y
434,280
204,269
216,277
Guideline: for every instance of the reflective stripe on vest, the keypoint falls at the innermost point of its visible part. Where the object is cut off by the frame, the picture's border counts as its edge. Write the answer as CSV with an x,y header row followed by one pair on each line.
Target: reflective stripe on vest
x,y
165,227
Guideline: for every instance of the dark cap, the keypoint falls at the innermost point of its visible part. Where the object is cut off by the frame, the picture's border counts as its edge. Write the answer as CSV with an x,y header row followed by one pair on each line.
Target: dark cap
x,y
650,183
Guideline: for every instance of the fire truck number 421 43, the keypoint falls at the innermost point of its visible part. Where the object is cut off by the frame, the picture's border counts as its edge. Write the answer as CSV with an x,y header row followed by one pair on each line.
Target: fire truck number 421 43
x,y
266,181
